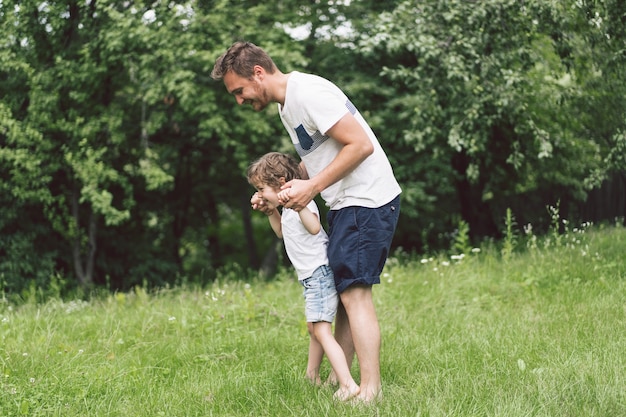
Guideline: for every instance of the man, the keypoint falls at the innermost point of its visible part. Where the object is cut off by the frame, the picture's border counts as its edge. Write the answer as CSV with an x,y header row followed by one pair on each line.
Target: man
x,y
347,166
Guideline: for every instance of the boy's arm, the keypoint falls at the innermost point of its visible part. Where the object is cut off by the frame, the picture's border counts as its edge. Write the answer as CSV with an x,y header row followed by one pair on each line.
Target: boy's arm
x,y
274,219
310,221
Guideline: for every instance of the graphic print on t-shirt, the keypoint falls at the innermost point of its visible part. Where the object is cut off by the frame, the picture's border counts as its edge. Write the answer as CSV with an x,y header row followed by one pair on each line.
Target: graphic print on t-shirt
x,y
308,143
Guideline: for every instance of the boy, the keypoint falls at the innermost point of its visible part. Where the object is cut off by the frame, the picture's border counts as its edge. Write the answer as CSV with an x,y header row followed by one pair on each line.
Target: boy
x,y
305,244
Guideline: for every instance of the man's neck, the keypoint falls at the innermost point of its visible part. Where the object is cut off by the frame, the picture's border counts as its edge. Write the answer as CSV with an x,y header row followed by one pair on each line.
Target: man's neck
x,y
278,86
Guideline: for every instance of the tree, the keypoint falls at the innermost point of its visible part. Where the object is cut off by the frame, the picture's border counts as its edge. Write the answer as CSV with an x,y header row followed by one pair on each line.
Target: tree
x,y
139,154
480,98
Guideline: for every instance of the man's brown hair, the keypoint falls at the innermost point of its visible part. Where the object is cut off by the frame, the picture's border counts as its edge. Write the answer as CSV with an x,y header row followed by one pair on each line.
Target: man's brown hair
x,y
241,58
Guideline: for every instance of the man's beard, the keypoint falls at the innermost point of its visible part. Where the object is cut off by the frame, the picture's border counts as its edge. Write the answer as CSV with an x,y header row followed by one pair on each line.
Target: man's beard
x,y
262,100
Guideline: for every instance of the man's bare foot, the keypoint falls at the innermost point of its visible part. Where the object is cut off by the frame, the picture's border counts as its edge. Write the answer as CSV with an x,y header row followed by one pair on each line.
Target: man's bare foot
x,y
368,397
346,393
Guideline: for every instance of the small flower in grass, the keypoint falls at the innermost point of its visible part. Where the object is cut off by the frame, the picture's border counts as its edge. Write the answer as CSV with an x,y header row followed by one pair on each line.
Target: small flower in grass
x,y
25,354
172,318
528,229
475,250
445,263
386,275
521,365
424,261
32,380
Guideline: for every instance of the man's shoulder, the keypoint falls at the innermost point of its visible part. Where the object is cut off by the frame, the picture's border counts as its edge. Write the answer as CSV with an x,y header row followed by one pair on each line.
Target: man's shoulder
x,y
305,79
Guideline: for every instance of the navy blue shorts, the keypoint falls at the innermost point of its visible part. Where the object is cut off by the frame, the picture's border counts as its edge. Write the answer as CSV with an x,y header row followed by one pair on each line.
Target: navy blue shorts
x,y
359,242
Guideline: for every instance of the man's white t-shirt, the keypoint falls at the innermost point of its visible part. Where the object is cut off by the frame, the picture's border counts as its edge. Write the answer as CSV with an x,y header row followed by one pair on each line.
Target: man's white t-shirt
x,y
312,106
306,252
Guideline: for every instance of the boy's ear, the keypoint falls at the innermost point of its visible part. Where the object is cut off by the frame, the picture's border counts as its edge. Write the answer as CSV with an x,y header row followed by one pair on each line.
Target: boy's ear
x,y
282,181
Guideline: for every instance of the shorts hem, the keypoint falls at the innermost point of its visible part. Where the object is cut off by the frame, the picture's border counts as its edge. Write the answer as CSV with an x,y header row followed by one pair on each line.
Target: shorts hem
x,y
345,283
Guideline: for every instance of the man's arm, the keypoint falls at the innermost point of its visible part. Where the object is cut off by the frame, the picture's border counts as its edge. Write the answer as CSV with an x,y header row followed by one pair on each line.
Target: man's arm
x,y
357,146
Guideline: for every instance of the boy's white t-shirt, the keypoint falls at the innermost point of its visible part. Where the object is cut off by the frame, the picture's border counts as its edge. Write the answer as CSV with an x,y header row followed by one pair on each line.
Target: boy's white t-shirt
x,y
306,252
312,106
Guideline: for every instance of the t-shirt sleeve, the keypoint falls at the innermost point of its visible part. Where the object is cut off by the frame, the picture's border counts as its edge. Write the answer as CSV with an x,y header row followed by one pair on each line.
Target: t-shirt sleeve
x,y
313,207
325,108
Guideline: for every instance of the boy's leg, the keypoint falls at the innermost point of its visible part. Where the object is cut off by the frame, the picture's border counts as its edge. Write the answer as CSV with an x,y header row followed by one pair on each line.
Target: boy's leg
x,y
343,335
316,353
347,387
359,306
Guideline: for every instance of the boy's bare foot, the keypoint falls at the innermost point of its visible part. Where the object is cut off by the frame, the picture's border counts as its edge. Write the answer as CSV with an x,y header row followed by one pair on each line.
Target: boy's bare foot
x,y
314,379
347,393
332,379
317,382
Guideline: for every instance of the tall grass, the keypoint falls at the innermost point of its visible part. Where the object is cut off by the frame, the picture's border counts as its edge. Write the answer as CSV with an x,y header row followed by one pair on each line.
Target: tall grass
x,y
539,331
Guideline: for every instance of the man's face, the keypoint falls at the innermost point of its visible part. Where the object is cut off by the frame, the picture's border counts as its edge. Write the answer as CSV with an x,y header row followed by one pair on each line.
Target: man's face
x,y
247,91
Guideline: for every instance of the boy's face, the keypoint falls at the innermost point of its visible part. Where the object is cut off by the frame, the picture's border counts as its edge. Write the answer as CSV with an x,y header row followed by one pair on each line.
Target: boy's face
x,y
268,193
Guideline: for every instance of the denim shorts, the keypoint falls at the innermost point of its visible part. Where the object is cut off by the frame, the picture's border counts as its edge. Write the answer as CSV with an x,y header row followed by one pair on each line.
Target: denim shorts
x,y
359,242
320,296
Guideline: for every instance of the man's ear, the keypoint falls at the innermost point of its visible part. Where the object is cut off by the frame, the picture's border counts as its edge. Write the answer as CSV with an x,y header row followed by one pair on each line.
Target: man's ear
x,y
258,71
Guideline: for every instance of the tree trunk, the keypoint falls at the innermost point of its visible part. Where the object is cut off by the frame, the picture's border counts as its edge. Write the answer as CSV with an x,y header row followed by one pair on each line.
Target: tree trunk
x,y
253,257
476,212
83,269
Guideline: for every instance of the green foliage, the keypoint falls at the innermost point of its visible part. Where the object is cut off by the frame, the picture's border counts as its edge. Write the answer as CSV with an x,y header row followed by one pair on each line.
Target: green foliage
x,y
122,161
486,106
462,243
509,241
555,224
118,137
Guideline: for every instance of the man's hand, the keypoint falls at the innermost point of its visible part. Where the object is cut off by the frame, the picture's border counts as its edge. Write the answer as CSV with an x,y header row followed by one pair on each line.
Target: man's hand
x,y
297,194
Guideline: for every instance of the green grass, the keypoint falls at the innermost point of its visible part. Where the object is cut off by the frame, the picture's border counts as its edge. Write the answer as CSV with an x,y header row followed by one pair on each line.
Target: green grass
x,y
540,332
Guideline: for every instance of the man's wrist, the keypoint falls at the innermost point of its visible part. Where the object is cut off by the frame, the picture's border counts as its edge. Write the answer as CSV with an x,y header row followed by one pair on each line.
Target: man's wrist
x,y
317,187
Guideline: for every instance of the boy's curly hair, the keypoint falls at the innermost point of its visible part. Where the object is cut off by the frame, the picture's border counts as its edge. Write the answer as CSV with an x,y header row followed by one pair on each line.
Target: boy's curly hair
x,y
269,168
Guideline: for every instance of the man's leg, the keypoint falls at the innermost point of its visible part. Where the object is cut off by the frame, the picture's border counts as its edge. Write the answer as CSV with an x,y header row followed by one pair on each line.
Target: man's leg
x,y
359,306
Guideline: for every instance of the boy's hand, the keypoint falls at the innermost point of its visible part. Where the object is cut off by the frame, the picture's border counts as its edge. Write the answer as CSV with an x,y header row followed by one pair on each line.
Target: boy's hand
x,y
257,203
283,196
297,194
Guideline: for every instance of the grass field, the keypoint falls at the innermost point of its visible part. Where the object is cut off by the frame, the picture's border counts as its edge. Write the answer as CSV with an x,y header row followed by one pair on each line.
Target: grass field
x,y
538,329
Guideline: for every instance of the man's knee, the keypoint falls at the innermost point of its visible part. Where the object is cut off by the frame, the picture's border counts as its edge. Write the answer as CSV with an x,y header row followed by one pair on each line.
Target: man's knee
x,y
355,294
